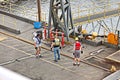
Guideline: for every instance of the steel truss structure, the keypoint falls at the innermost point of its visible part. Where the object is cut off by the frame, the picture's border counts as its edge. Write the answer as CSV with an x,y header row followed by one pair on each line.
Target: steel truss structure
x,y
108,25
60,16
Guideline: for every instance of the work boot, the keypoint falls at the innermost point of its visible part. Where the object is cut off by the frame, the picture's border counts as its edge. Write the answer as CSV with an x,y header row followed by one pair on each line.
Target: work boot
x,y
78,64
40,56
37,56
55,61
58,58
74,64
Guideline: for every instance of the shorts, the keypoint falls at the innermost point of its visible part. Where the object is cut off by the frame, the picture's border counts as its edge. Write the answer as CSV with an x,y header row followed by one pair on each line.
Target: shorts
x,y
38,45
77,54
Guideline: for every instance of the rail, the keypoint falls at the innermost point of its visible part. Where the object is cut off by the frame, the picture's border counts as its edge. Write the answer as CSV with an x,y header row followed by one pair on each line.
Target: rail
x,y
23,11
81,13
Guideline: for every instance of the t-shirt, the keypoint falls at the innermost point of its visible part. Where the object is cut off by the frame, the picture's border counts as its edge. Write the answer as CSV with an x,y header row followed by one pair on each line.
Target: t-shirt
x,y
37,40
77,45
56,42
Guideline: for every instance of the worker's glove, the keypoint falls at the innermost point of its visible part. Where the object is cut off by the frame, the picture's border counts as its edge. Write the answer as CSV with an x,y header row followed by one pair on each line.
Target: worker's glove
x,y
83,46
60,47
73,53
35,47
51,49
81,52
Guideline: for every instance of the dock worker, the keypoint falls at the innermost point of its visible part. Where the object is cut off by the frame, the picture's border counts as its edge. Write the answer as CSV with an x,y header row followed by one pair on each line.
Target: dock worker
x,y
77,51
56,45
37,44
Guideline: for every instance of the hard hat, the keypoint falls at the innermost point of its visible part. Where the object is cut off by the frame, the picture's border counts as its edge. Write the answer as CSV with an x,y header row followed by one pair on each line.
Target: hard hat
x,y
94,34
76,38
84,32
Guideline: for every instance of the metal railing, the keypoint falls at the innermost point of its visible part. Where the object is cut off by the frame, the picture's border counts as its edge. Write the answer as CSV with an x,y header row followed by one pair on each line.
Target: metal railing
x,y
30,13
20,11
92,11
24,11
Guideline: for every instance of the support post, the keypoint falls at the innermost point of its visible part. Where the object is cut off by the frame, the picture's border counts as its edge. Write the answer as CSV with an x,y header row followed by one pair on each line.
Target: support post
x,y
61,17
39,9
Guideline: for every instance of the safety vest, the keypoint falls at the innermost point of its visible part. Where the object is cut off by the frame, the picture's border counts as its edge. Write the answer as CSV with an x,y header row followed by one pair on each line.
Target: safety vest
x,y
57,42
77,45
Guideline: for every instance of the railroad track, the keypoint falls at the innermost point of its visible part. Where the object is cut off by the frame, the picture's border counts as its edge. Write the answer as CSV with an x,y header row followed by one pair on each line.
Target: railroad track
x,y
27,51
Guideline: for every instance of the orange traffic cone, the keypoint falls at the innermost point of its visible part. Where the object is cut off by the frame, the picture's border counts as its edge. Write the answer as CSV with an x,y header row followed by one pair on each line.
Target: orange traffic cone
x,y
45,33
51,35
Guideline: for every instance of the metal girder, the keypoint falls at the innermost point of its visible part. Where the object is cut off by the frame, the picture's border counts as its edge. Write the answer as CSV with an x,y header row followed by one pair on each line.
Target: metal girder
x,y
60,16
113,76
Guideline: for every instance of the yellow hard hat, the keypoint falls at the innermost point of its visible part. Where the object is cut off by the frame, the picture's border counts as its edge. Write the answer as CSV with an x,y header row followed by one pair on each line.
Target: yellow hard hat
x,y
84,31
76,38
94,34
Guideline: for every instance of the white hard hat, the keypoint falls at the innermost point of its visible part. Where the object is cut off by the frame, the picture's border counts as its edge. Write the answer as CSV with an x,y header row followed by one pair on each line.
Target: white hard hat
x,y
76,38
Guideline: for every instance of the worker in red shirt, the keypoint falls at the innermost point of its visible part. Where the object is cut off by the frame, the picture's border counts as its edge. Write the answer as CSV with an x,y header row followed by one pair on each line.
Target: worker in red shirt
x,y
77,51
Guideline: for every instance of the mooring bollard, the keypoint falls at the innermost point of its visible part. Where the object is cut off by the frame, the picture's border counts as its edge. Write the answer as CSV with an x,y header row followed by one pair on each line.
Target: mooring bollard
x,y
45,33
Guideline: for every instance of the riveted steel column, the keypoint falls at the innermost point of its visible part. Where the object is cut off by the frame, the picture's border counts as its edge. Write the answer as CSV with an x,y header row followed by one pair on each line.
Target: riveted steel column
x,y
60,16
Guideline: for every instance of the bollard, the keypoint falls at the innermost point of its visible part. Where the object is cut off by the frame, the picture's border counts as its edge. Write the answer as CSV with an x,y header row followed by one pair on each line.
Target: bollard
x,y
45,33
62,40
56,32
51,35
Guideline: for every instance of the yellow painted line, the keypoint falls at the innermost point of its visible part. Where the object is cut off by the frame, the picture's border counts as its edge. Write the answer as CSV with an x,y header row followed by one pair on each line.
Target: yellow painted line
x,y
22,39
16,49
2,38
40,58
19,38
112,59
29,42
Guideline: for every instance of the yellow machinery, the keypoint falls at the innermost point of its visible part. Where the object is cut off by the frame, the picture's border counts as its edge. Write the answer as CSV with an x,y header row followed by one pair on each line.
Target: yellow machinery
x,y
93,36
84,31
113,68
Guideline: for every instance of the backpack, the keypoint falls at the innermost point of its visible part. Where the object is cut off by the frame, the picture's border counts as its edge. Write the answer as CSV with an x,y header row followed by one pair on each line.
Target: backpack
x,y
38,39
57,42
